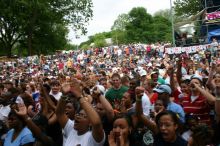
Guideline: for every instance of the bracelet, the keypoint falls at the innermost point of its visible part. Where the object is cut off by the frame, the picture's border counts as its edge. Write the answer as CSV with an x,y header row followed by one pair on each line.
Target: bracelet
x,y
65,98
217,99
27,119
138,100
79,98
84,100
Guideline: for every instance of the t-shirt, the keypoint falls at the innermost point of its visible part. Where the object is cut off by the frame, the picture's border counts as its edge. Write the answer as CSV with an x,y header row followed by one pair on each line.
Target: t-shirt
x,y
199,108
159,141
73,139
24,137
113,94
4,111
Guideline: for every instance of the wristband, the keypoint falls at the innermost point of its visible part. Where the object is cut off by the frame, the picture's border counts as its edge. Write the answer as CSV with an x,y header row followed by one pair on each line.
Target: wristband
x,y
78,98
27,119
138,100
217,99
82,101
65,98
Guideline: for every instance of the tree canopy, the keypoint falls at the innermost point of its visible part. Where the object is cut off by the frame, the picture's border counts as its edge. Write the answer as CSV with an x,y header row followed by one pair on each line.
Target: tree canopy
x,y
187,7
40,26
137,26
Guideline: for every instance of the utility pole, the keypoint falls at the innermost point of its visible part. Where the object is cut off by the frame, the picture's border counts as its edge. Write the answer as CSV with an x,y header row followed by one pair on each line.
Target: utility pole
x,y
172,23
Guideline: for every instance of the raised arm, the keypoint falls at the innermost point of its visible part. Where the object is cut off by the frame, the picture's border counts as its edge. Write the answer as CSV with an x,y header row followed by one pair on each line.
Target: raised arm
x,y
179,71
60,112
37,132
172,82
106,105
97,130
217,102
209,83
209,97
139,111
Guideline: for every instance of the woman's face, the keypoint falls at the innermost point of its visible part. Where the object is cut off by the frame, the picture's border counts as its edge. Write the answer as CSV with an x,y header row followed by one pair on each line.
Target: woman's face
x,y
81,122
13,121
121,127
191,72
167,128
126,99
158,105
70,111
184,87
132,84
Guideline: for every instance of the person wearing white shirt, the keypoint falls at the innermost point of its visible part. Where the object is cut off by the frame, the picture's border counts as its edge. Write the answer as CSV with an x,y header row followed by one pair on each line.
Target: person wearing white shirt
x,y
79,133
55,90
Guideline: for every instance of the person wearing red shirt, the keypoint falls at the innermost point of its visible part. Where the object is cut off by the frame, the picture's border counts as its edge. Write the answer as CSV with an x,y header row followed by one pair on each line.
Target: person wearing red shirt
x,y
199,101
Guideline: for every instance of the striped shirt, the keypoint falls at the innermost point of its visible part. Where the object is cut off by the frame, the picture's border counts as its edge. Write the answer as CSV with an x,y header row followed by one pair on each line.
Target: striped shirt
x,y
199,108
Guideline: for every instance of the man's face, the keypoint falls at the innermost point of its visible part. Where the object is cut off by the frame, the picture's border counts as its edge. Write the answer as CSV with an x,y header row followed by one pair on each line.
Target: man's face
x,y
55,88
164,97
155,77
104,83
116,82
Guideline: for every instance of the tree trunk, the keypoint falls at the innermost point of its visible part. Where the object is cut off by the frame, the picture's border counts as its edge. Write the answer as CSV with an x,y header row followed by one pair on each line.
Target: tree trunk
x,y
9,53
30,34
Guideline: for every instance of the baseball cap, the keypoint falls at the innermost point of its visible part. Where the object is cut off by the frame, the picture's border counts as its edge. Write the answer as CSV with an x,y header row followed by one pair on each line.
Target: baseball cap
x,y
164,88
143,73
195,76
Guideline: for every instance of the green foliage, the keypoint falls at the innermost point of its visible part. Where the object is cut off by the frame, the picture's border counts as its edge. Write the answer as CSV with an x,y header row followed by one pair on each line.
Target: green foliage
x,y
162,29
134,27
187,7
98,40
41,25
139,29
85,47
163,13
119,37
71,47
121,22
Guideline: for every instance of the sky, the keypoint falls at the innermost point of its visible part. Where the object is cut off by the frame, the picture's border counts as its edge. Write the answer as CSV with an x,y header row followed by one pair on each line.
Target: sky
x,y
105,12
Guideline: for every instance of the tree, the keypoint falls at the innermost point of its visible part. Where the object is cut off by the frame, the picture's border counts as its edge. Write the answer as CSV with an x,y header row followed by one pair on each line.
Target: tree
x,y
163,13
139,29
22,20
120,22
187,7
162,29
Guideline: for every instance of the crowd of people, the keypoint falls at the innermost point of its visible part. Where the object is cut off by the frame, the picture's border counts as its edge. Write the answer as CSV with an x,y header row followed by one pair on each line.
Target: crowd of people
x,y
134,95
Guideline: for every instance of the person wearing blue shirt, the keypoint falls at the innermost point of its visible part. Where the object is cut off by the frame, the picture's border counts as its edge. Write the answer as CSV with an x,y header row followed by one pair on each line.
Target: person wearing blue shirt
x,y
19,134
164,91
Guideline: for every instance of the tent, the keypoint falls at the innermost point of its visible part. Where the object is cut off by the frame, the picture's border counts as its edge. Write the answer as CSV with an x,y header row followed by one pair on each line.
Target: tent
x,y
214,33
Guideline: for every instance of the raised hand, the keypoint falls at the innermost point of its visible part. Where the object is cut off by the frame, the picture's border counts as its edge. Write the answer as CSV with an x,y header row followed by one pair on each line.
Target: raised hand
x,y
111,139
96,93
217,91
139,91
22,110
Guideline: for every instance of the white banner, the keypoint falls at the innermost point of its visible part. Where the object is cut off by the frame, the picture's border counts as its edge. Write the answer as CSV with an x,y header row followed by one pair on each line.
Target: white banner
x,y
188,50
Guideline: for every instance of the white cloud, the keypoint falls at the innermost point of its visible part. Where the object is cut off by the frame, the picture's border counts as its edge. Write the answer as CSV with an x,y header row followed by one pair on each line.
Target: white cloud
x,y
105,12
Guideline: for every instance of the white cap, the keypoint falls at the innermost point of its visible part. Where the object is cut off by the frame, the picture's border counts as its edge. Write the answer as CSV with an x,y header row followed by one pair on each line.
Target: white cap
x,y
142,73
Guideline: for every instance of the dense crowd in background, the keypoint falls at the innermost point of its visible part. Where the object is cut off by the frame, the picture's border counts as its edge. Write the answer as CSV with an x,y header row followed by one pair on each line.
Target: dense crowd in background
x,y
130,95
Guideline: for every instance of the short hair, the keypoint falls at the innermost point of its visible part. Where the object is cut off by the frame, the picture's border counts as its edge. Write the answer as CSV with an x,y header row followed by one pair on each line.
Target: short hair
x,y
173,115
125,79
116,75
202,135
1,86
54,82
102,79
